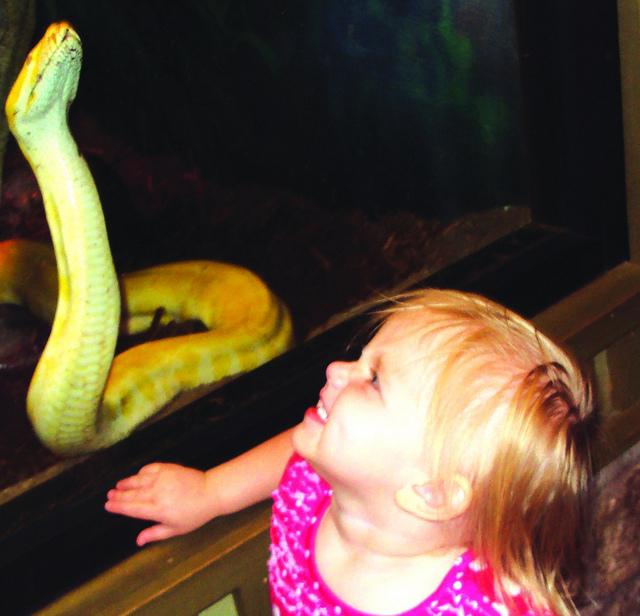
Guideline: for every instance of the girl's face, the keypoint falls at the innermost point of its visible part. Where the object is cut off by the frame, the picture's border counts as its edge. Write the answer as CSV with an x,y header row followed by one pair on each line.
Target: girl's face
x,y
368,429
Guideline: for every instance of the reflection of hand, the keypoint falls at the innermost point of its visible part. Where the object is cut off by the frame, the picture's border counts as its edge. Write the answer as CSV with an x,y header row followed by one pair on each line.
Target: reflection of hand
x,y
176,497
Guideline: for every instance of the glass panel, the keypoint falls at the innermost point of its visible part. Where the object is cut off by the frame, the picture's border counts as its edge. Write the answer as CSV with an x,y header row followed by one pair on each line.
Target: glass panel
x,y
375,105
339,150
225,607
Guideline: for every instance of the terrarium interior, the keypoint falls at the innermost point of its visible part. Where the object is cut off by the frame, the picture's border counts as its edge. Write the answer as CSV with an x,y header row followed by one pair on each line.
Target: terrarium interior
x,y
338,151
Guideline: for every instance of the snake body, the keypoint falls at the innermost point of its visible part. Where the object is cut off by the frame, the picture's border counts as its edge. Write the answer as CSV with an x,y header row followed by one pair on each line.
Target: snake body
x,y
81,398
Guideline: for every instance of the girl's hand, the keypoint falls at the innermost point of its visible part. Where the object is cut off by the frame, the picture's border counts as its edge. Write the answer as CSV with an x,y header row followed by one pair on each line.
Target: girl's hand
x,y
181,499
178,498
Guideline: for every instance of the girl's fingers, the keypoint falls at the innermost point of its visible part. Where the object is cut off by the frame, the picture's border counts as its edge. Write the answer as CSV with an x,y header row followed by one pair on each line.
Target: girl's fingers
x,y
140,510
151,469
128,496
136,481
143,478
155,533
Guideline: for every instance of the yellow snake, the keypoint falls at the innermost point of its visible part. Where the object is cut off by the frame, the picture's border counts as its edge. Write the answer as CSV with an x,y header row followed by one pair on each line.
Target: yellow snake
x,y
81,398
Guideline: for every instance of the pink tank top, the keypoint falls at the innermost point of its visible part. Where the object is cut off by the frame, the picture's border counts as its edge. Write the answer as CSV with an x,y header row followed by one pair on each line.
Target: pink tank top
x,y
297,587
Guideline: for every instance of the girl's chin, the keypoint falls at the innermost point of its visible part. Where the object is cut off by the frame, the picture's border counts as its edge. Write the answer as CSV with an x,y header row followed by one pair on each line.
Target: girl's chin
x,y
305,437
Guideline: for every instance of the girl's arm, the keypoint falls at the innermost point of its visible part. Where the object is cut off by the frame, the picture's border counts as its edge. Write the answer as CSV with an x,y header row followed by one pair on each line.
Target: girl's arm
x,y
181,499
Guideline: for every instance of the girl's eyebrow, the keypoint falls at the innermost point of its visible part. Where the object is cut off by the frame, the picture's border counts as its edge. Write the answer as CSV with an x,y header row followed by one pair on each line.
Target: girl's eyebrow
x,y
369,356
374,358
377,364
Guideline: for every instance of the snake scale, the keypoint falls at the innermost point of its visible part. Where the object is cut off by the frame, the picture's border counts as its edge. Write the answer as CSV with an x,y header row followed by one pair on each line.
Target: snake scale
x,y
81,398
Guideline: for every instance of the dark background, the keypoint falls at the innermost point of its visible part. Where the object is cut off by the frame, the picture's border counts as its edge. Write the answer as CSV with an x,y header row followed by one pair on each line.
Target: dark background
x,y
410,105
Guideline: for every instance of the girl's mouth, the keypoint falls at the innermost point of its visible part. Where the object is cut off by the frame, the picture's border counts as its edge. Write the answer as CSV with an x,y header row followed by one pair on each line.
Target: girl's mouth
x,y
317,414
322,412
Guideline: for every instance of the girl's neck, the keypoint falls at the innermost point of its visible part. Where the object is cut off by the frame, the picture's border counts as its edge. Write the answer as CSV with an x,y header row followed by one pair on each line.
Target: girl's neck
x,y
392,534
381,528
379,564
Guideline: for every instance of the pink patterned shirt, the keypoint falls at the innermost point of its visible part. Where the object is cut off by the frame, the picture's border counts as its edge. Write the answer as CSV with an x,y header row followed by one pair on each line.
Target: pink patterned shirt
x,y
297,587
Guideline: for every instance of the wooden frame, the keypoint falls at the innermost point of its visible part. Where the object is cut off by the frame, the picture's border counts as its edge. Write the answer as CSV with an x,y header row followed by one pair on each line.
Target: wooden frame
x,y
629,41
184,575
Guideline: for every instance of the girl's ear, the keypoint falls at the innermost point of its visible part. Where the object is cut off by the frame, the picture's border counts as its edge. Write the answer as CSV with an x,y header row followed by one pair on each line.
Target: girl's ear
x,y
436,501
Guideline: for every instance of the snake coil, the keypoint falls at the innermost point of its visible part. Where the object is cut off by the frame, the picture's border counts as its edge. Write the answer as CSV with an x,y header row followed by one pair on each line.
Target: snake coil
x,y
81,398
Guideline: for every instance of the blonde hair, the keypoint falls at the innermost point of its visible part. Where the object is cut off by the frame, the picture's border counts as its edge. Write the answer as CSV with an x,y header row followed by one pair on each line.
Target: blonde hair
x,y
511,411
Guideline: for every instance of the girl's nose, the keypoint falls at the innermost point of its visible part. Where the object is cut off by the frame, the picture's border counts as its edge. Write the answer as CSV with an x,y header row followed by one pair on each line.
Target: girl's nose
x,y
338,374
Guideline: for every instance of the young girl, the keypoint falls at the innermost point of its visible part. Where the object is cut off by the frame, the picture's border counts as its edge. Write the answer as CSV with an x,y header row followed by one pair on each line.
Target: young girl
x,y
440,473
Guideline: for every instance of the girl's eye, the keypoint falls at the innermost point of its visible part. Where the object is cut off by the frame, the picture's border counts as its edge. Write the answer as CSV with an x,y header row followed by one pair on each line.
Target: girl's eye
x,y
373,379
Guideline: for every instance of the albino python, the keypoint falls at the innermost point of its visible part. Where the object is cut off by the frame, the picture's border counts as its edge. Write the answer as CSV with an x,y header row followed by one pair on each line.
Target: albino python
x,y
81,398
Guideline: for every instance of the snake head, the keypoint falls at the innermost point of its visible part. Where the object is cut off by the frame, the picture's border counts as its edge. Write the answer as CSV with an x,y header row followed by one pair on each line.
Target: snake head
x,y
47,82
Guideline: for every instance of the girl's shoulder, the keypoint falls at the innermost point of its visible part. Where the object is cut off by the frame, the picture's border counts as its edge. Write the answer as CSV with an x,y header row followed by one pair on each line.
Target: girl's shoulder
x,y
469,588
